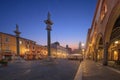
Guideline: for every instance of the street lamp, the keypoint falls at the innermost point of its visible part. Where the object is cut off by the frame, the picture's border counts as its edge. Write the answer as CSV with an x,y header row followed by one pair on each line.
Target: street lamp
x,y
83,44
116,42
83,50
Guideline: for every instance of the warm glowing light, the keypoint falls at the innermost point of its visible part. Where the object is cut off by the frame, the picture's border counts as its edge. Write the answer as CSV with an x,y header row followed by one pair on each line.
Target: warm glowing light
x,y
20,42
83,50
90,44
116,42
115,55
98,50
27,50
83,44
115,52
98,56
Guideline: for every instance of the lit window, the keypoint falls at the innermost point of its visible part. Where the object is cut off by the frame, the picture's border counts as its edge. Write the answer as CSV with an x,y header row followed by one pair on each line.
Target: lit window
x,y
103,11
116,42
28,46
115,55
105,8
20,42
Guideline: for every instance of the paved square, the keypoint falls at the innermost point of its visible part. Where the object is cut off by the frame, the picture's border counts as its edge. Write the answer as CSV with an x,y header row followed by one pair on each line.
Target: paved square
x,y
37,70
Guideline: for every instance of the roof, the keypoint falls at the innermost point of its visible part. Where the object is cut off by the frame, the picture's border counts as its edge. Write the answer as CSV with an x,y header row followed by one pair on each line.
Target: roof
x,y
15,36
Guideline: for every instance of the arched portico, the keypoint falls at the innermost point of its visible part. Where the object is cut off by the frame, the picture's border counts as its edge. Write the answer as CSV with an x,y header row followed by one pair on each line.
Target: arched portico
x,y
111,21
110,35
114,47
99,47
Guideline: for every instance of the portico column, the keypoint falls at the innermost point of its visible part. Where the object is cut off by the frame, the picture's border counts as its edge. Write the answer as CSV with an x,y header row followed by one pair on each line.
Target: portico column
x,y
105,57
96,52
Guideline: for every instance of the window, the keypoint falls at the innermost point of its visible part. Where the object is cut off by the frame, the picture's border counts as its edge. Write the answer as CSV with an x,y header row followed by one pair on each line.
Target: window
x,y
20,42
7,48
28,46
27,42
7,39
33,47
103,11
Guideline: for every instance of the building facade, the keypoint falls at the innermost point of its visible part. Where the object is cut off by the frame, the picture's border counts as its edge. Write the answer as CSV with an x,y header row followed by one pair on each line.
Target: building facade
x,y
59,51
103,39
28,48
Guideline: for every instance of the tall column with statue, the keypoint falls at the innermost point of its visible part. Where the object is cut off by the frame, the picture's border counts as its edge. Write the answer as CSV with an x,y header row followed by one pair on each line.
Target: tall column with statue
x,y
17,58
17,32
48,22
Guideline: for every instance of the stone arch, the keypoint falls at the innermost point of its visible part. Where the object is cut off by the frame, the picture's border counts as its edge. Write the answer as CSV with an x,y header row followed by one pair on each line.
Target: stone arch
x,y
115,13
99,47
114,43
99,40
115,34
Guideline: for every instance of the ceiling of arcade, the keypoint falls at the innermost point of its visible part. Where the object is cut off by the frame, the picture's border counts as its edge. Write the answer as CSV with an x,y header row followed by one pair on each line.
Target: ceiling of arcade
x,y
116,30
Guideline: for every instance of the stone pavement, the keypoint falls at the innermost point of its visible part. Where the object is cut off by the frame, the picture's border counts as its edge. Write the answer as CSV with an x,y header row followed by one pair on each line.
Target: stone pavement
x,y
38,70
90,70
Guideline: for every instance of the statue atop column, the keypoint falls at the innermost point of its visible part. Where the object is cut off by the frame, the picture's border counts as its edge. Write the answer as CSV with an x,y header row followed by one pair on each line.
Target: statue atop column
x,y
48,22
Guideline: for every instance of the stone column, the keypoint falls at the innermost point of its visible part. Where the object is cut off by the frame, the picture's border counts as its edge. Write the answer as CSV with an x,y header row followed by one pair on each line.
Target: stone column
x,y
118,54
48,22
93,56
17,39
105,57
96,52
48,42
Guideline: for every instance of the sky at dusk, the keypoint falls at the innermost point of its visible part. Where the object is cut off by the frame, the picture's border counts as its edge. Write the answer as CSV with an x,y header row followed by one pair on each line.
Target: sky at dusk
x,y
71,19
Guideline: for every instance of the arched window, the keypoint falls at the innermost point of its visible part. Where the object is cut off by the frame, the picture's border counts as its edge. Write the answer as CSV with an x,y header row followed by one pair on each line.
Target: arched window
x,y
103,11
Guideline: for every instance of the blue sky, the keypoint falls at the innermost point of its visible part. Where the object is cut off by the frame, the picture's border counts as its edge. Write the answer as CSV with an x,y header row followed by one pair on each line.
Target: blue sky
x,y
71,19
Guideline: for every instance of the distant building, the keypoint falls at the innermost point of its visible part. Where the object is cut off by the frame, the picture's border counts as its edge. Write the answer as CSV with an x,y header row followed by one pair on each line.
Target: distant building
x,y
69,49
79,49
60,51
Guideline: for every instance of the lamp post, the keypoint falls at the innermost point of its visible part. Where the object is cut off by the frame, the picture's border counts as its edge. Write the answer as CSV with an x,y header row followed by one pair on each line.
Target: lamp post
x,y
17,32
48,22
83,50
